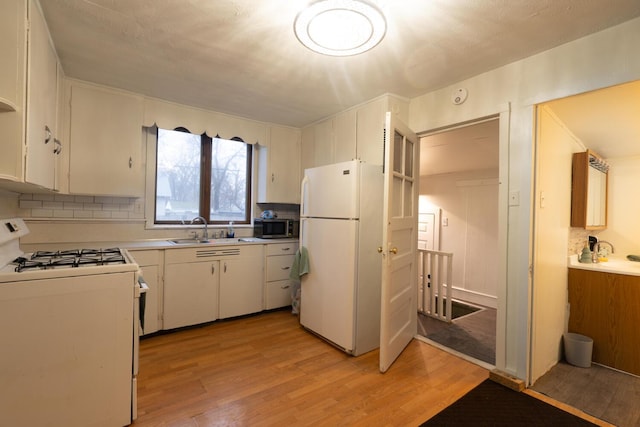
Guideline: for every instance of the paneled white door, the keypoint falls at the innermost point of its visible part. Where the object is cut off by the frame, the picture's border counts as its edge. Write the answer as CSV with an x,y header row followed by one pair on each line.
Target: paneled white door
x,y
398,323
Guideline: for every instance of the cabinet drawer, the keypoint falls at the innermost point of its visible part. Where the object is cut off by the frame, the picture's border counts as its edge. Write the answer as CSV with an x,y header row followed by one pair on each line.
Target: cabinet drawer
x,y
147,257
278,294
279,267
282,248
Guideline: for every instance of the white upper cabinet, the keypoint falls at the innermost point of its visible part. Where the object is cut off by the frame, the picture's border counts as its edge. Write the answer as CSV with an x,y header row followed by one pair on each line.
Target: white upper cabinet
x,y
370,131
279,167
105,142
324,146
28,98
43,143
344,132
13,50
357,133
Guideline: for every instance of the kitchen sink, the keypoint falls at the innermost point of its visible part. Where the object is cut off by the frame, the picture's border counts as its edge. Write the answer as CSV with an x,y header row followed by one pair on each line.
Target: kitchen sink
x,y
221,241
189,241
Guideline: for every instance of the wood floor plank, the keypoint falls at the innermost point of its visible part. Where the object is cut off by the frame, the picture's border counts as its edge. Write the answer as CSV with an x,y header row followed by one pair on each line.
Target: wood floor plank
x,y
266,370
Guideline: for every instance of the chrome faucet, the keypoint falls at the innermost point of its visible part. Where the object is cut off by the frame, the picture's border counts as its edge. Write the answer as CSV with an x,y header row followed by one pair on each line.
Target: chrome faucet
x,y
205,235
604,241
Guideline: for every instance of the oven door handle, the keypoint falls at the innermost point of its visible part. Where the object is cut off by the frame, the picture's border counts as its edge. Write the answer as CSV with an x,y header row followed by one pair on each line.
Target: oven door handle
x,y
143,285
142,301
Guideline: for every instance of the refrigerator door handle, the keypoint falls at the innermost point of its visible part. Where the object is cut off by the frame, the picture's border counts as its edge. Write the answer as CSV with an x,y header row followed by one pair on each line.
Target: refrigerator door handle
x,y
303,194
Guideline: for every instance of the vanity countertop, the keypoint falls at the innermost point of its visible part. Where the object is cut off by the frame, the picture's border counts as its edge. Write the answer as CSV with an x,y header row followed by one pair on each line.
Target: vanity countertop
x,y
618,265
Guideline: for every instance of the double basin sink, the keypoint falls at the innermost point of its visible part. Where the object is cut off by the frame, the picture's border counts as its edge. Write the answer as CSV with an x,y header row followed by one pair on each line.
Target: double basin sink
x,y
221,241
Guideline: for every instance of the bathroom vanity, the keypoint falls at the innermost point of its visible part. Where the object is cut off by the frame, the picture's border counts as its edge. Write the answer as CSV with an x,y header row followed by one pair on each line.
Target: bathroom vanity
x,y
605,306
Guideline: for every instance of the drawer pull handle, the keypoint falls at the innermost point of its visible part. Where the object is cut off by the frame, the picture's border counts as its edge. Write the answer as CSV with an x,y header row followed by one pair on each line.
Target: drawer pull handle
x,y
286,249
285,268
284,287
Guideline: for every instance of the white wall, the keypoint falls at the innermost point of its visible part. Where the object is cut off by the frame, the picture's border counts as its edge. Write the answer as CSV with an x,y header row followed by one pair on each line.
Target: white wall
x,y
468,229
623,228
8,205
596,61
552,213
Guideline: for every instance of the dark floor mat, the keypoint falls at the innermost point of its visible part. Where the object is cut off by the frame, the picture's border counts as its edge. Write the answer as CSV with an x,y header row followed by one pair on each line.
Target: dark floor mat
x,y
491,404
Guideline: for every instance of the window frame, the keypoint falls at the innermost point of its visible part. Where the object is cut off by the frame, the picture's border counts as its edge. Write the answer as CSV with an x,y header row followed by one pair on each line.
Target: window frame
x,y
204,206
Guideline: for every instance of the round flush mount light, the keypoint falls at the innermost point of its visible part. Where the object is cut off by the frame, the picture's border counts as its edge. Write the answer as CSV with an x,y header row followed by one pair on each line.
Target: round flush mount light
x,y
340,27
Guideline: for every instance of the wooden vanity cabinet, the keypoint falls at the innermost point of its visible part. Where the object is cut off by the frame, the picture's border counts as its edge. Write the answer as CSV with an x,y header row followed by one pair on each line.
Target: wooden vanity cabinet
x,y
601,308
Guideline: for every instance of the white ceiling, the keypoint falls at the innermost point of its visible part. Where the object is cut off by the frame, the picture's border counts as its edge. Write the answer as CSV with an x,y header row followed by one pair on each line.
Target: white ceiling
x,y
473,147
241,57
606,121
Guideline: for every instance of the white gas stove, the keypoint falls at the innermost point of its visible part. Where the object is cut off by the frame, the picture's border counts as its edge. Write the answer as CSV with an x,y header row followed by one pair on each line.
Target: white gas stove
x,y
17,265
69,330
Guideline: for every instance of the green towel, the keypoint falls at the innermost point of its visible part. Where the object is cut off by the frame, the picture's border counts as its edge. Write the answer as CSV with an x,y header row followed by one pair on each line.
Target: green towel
x,y
300,265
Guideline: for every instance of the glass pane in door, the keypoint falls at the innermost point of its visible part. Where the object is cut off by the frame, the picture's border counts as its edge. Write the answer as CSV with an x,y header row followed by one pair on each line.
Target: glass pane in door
x,y
398,141
408,159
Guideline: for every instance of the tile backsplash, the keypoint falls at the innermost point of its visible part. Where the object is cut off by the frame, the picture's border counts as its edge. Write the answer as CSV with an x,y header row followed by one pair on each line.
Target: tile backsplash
x,y
62,206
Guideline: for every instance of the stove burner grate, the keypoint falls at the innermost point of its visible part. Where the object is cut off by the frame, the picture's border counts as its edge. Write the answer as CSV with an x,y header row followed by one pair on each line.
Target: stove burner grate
x,y
44,260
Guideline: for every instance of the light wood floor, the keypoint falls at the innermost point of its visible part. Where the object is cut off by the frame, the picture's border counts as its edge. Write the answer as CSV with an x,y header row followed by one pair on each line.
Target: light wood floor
x,y
265,371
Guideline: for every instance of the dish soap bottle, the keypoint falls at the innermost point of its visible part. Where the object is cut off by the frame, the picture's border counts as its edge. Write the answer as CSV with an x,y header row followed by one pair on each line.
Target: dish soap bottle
x,y
586,254
230,232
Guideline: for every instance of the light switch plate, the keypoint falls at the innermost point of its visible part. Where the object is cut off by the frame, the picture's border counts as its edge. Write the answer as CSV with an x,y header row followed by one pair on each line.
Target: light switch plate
x,y
514,198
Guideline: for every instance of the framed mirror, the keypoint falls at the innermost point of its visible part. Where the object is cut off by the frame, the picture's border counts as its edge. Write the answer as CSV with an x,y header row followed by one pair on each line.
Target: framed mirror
x,y
590,176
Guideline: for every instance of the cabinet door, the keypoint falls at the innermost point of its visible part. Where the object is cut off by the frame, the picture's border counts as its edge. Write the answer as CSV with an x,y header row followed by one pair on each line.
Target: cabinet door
x,y
151,274
370,132
344,126
323,146
283,169
12,34
13,48
150,262
241,283
41,103
190,294
307,142
105,142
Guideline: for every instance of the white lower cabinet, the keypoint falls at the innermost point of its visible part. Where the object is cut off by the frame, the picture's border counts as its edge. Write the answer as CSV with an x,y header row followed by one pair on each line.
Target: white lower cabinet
x,y
191,284
211,282
190,293
150,262
241,279
278,290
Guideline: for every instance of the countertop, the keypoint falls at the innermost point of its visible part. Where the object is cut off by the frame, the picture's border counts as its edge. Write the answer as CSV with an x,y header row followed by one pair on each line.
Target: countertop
x,y
148,244
618,265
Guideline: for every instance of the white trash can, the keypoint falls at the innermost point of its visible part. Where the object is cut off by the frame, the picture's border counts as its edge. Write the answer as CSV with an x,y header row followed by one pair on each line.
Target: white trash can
x,y
578,349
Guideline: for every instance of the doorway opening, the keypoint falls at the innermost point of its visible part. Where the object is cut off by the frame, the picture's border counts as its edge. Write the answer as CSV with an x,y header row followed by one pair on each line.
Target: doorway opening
x,y
458,215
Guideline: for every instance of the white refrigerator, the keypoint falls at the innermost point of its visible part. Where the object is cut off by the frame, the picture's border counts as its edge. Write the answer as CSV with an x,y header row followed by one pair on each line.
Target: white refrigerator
x,y
341,228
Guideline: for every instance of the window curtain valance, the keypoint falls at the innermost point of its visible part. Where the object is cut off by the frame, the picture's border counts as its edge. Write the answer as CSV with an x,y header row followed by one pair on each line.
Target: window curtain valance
x,y
168,115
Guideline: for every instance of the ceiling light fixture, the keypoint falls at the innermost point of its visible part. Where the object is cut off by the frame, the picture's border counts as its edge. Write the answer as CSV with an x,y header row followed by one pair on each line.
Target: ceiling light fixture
x,y
340,27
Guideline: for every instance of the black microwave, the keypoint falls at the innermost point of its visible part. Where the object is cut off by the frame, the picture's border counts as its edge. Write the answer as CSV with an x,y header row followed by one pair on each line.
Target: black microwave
x,y
276,228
